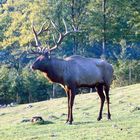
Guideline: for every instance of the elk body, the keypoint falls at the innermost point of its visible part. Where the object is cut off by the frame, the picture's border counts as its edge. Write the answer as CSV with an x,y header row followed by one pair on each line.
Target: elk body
x,y
74,72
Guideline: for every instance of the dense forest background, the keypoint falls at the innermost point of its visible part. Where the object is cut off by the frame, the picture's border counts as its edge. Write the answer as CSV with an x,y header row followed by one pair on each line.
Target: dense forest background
x,y
108,29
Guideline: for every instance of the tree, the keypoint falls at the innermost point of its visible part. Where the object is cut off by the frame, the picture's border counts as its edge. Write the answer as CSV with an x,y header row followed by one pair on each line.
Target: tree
x,y
107,27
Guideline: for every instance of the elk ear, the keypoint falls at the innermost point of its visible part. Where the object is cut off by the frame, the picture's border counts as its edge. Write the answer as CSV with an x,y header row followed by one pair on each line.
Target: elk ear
x,y
47,54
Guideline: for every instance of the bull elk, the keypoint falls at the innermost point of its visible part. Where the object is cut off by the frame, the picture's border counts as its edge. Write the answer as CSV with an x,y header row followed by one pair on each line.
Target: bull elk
x,y
74,71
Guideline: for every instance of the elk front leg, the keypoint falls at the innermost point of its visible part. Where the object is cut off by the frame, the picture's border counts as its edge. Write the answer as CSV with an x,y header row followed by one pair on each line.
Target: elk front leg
x,y
68,95
70,105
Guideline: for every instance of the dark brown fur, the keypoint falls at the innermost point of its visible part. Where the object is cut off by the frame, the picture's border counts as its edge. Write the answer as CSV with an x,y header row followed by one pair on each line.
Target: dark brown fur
x,y
76,71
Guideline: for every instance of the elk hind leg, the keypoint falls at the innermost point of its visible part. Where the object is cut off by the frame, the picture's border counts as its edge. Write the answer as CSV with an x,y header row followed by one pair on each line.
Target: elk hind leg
x,y
106,88
102,98
71,102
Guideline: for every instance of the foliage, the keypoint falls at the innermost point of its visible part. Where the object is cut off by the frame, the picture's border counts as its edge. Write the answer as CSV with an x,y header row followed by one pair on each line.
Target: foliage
x,y
85,15
126,72
122,46
35,88
22,88
7,85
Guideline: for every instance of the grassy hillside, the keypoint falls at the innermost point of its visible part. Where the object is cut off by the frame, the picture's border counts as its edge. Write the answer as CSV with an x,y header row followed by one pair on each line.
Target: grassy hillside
x,y
125,123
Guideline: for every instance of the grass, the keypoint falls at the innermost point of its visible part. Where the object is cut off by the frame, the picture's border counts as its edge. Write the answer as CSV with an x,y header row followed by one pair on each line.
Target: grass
x,y
125,123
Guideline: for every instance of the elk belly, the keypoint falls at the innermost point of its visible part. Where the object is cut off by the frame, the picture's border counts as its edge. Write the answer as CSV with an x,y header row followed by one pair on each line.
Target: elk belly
x,y
90,77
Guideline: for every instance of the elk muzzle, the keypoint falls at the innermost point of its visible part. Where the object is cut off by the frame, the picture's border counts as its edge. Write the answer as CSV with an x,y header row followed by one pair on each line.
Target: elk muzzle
x,y
32,67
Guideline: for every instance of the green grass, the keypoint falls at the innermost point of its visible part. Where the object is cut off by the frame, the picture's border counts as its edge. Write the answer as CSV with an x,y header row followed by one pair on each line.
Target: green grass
x,y
125,123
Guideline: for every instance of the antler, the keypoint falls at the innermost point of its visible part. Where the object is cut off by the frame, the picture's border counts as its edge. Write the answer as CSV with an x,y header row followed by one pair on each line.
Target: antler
x,y
38,43
39,49
61,35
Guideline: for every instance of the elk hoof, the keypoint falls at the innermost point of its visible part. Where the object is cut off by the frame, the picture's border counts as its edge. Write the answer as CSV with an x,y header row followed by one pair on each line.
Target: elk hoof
x,y
109,116
99,118
68,123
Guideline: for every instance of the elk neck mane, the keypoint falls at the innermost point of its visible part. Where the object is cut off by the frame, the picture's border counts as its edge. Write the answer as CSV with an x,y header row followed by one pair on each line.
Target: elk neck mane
x,y
55,69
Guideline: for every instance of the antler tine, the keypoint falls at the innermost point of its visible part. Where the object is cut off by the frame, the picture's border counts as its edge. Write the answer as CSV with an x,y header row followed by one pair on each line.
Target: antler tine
x,y
55,26
36,37
57,43
66,29
39,49
61,35
36,34
42,28
54,39
74,28
32,51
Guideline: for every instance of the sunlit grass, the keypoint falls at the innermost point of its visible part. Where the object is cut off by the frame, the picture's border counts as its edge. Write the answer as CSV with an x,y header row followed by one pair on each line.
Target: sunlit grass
x,y
125,123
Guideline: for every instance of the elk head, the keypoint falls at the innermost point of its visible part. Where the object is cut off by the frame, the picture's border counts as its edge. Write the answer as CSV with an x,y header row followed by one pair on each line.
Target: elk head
x,y
44,52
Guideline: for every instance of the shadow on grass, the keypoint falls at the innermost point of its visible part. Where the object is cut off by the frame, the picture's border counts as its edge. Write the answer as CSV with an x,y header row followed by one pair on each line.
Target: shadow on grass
x,y
43,123
83,123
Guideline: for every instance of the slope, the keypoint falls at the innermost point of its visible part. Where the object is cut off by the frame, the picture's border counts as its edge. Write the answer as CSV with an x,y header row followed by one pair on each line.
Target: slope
x,y
125,123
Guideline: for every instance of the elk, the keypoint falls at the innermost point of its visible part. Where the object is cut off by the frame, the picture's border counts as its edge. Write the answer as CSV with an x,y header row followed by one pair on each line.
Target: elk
x,y
74,71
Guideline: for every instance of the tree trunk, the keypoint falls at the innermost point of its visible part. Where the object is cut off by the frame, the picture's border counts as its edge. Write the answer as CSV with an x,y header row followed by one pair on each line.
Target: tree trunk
x,y
130,73
75,44
104,29
53,92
